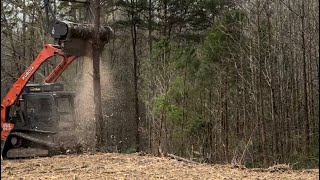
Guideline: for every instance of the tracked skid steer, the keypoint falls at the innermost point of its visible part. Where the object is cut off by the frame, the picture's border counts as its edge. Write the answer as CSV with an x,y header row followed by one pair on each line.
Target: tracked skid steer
x,y
38,119
44,120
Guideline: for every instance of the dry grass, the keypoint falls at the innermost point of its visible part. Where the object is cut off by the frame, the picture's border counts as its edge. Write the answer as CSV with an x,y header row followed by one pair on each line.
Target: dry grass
x,y
133,166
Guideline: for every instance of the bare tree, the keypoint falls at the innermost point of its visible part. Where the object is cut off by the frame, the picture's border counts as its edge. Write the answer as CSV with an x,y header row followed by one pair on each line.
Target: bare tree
x,y
97,46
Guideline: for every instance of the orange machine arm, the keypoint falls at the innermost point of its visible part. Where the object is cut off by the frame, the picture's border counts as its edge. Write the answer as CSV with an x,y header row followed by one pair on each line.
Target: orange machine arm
x,y
11,97
56,73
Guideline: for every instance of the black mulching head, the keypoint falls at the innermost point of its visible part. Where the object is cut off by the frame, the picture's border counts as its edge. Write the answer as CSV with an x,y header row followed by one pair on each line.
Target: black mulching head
x,y
73,36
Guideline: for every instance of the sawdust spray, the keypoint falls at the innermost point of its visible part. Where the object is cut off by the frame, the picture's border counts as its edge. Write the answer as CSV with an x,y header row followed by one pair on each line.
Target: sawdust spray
x,y
84,103
84,100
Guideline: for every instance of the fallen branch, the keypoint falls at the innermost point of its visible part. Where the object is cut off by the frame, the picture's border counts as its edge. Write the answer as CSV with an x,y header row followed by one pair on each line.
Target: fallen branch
x,y
182,159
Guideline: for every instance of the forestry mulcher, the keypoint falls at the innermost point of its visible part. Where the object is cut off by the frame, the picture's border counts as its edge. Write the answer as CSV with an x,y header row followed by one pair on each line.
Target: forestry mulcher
x,y
37,119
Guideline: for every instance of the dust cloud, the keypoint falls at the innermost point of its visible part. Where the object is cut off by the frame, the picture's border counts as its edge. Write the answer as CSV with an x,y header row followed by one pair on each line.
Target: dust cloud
x,y
84,100
84,104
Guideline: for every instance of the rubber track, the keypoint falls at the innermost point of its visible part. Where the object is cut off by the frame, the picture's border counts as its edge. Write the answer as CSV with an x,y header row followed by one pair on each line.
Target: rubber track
x,y
33,139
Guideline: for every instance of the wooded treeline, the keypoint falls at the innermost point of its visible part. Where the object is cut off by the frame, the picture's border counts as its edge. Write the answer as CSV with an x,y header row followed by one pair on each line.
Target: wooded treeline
x,y
217,81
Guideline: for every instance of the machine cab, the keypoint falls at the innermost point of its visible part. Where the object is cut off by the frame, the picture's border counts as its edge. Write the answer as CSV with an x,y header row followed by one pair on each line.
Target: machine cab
x,y
45,108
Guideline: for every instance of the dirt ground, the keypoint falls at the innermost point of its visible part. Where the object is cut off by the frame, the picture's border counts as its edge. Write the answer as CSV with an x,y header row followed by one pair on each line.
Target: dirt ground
x,y
135,166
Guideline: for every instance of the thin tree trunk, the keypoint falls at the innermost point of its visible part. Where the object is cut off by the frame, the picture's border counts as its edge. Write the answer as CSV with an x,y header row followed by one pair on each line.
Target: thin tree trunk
x,y
304,61
96,53
135,72
150,26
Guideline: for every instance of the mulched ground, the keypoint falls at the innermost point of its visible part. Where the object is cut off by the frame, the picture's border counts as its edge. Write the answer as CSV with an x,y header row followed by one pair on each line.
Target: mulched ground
x,y
135,166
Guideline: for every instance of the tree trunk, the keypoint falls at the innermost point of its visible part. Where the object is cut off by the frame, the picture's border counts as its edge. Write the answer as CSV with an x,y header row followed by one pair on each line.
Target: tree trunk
x,y
96,53
304,61
135,72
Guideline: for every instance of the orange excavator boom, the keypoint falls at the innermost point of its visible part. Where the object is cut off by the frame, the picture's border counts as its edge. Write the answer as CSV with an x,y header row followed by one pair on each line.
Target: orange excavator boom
x,y
56,73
